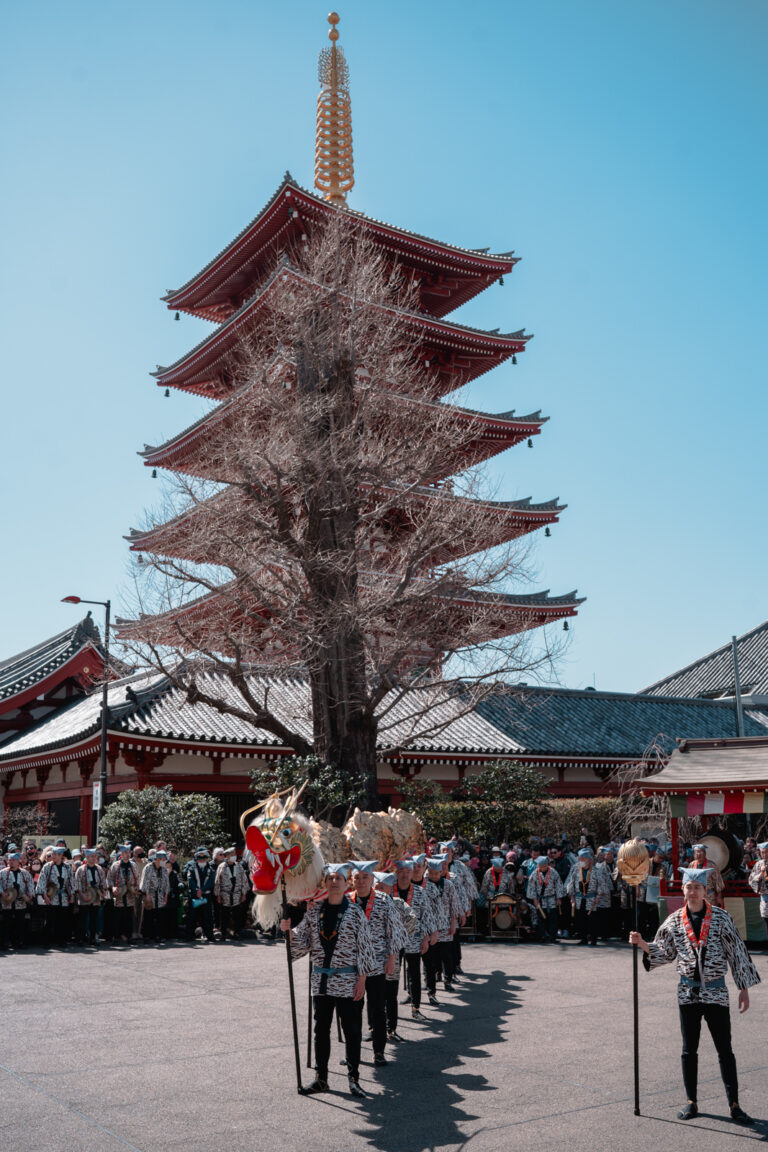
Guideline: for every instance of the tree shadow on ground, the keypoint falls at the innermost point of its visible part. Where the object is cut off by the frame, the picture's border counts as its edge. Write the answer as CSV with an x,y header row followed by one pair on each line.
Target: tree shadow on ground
x,y
423,1099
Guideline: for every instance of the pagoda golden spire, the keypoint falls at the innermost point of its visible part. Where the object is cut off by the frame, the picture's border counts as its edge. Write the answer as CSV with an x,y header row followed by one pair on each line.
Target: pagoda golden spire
x,y
334,167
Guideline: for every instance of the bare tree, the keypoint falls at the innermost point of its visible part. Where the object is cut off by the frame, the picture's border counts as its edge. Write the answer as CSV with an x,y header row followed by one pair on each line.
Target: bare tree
x,y
635,804
315,526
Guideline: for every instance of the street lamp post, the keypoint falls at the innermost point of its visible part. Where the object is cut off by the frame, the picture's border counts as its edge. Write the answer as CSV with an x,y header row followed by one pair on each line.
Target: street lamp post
x,y
106,605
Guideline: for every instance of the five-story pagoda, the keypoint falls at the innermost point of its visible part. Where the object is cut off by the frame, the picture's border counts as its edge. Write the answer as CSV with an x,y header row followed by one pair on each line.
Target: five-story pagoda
x,y
331,527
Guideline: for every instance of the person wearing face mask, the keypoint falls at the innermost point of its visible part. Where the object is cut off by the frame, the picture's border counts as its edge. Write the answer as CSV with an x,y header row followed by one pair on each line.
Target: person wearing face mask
x,y
90,890
703,941
155,886
123,880
337,935
56,885
545,892
201,879
589,888
17,892
230,891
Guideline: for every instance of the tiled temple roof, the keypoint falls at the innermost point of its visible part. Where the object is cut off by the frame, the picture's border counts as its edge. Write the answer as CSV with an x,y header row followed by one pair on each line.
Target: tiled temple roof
x,y
713,676
21,672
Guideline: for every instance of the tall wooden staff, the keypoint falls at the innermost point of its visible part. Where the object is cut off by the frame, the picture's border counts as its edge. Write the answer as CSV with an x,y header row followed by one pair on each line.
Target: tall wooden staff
x,y
296,1053
309,1017
633,865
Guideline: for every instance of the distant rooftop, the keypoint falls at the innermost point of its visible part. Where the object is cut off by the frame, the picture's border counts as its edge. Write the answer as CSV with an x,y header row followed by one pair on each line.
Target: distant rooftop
x,y
713,676
22,672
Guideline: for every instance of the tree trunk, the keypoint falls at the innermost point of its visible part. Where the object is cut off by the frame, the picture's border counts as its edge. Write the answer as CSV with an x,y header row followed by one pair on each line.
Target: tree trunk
x,y
344,726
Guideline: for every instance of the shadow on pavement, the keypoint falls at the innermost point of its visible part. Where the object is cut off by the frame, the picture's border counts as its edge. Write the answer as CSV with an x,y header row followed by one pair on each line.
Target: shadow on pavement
x,y
424,1095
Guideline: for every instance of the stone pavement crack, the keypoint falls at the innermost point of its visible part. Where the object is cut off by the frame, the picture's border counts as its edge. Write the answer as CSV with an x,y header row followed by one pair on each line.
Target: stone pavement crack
x,y
68,1108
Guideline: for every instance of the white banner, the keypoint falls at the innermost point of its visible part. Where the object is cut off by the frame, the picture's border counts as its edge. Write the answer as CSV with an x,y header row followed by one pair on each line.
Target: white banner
x,y
96,803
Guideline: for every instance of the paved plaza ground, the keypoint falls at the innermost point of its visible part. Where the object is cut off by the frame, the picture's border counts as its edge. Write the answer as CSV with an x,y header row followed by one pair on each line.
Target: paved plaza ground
x,y
188,1049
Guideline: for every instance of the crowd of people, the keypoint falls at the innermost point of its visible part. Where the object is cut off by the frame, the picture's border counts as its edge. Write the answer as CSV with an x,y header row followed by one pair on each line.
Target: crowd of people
x,y
90,897
557,890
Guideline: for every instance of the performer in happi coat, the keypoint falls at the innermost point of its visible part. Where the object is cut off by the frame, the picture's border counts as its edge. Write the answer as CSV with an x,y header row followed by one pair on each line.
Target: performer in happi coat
x,y
337,935
589,887
758,880
419,935
90,890
703,940
466,891
17,892
57,887
155,887
387,938
230,890
449,911
545,892
123,879
497,881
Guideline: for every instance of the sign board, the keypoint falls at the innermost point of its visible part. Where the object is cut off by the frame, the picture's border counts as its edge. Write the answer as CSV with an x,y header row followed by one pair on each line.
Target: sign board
x,y
96,805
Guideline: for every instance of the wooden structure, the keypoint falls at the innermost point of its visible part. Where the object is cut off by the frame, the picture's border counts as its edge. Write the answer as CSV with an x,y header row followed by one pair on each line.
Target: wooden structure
x,y
714,779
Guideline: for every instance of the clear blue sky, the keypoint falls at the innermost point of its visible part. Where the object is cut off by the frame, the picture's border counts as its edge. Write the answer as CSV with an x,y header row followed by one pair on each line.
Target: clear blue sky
x,y
619,148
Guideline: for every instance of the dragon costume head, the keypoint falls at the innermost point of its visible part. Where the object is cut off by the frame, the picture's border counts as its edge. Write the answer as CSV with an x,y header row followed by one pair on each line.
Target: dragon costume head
x,y
281,848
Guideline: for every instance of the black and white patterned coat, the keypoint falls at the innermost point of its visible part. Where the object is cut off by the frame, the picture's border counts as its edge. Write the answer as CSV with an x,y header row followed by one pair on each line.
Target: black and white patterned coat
x,y
546,891
230,885
123,879
597,886
425,922
22,881
724,946
155,884
497,884
758,882
388,935
465,885
354,948
56,883
90,876
449,908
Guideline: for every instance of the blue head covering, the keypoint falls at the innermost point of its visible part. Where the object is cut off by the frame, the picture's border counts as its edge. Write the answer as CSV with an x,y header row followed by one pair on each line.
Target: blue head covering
x,y
338,869
14,855
435,862
363,865
763,846
585,852
695,875
497,861
403,863
422,856
387,878
540,860
698,848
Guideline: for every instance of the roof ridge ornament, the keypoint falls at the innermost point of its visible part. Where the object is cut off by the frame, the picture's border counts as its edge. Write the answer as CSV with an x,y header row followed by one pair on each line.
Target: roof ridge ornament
x,y
334,166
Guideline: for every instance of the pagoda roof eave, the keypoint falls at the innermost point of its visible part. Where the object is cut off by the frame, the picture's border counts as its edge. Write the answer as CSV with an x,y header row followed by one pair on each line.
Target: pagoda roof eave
x,y
205,293
195,370
157,455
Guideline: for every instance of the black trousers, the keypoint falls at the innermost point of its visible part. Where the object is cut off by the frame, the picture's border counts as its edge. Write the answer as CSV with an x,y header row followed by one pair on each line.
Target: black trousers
x,y
547,922
391,990
232,919
200,917
153,926
350,1018
456,953
718,1018
413,977
586,923
13,927
376,1007
58,924
439,956
122,920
